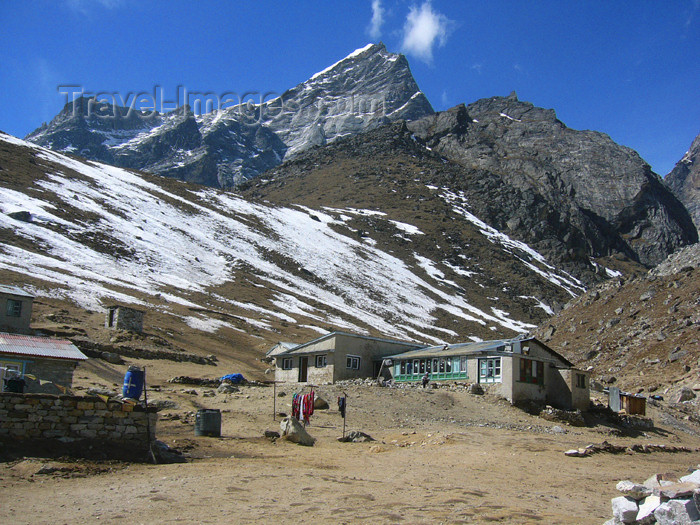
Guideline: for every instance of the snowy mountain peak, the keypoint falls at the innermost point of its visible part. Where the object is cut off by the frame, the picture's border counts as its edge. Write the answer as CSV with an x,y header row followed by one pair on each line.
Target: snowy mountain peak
x,y
234,143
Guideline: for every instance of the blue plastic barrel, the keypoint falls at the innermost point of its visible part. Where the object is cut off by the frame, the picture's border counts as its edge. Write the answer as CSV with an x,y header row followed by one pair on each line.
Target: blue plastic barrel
x,y
133,383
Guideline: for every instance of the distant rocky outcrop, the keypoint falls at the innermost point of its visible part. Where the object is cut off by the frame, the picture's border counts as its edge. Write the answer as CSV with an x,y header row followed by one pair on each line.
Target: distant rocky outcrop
x,y
684,180
223,148
641,334
567,192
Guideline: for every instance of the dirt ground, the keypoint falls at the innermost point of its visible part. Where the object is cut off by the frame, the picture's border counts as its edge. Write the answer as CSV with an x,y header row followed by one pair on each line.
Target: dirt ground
x,y
440,456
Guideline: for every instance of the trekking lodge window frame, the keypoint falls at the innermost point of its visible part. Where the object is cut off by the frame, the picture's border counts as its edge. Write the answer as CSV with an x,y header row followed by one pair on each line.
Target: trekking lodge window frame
x,y
352,362
490,363
531,371
14,308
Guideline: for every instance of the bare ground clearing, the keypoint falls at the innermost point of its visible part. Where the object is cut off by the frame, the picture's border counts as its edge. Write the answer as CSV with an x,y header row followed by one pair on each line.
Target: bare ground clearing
x,y
441,456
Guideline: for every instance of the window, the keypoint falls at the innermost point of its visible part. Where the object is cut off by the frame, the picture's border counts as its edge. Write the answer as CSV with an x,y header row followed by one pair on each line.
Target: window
x,y
287,363
353,362
320,361
531,372
422,366
416,364
463,363
14,308
490,370
580,381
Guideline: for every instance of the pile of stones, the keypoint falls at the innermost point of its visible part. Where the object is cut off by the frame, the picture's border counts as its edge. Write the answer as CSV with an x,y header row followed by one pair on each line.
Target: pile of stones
x,y
658,500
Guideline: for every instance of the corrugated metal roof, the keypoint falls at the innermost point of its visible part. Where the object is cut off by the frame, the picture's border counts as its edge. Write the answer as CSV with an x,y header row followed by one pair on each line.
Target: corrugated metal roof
x,y
14,290
281,348
39,347
474,348
301,348
458,349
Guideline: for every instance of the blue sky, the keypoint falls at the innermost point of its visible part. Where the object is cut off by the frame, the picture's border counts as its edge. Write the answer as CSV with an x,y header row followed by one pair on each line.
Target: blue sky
x,y
630,69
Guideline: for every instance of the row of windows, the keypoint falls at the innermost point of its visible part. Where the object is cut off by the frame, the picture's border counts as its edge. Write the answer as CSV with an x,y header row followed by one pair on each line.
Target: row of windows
x,y
320,361
436,365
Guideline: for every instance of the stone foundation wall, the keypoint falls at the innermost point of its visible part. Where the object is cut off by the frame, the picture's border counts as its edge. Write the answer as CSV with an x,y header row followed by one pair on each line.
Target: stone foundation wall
x,y
66,419
50,372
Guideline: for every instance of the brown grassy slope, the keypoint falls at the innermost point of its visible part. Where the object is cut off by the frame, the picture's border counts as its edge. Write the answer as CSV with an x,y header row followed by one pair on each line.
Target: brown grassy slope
x,y
644,332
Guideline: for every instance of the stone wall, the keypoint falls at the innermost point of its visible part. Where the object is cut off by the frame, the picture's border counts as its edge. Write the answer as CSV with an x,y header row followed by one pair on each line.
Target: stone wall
x,y
114,428
50,372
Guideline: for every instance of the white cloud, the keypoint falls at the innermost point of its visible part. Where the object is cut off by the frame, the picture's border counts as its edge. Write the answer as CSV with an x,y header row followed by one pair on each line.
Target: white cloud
x,y
375,25
83,6
423,29
444,98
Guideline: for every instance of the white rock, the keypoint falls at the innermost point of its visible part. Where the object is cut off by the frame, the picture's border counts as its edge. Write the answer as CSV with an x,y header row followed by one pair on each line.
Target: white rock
x,y
677,512
647,507
633,490
624,509
294,432
694,477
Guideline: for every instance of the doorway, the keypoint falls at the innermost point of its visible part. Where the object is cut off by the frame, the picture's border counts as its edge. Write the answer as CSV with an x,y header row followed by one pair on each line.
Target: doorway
x,y
303,368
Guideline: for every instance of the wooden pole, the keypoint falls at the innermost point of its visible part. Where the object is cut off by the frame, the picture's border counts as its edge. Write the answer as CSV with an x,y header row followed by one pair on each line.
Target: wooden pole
x,y
148,418
274,401
345,410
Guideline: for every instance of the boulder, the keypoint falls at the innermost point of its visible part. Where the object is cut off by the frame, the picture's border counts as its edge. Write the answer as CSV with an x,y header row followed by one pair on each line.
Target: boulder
x,y
647,507
476,389
294,432
692,478
320,403
677,512
685,394
356,437
633,490
227,388
677,490
624,509
658,480
111,357
271,434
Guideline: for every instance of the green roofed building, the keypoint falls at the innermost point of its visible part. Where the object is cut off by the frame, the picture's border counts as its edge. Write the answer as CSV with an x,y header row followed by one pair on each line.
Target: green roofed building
x,y
519,369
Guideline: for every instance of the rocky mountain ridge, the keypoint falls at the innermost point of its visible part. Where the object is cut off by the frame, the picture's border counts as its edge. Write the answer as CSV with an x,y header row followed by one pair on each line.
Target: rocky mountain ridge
x,y
426,163
684,180
571,194
222,148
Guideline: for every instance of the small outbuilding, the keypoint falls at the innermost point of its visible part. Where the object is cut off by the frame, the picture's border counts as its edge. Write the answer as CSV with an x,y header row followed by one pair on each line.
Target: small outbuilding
x,y
47,364
336,356
519,369
121,317
15,309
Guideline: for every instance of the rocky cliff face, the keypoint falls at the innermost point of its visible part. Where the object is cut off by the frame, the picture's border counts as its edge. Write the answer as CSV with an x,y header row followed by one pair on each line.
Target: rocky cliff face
x,y
223,148
684,180
571,194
